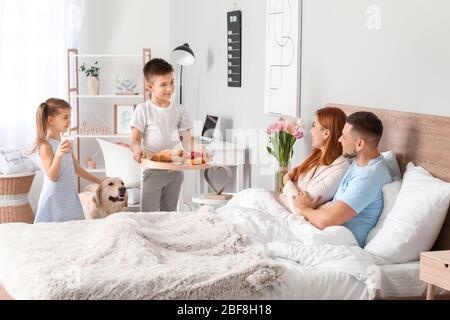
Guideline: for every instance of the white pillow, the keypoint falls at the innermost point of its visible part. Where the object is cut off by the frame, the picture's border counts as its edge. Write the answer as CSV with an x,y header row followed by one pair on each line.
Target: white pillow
x,y
413,224
390,193
35,162
12,161
391,162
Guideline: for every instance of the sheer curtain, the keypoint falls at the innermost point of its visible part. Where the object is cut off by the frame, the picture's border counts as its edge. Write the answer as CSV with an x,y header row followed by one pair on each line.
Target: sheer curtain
x,y
34,37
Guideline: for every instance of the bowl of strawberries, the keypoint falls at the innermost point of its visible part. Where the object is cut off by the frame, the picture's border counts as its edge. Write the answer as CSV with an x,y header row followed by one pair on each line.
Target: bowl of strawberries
x,y
195,158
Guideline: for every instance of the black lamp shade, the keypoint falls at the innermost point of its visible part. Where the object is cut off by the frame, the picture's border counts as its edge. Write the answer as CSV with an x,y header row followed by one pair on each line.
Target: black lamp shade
x,y
183,55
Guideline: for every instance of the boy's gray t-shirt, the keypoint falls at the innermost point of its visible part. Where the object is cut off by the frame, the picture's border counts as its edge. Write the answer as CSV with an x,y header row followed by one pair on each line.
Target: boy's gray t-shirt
x,y
160,127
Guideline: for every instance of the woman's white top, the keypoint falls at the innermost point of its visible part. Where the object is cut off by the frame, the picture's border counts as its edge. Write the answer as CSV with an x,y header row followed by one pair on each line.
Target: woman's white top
x,y
320,181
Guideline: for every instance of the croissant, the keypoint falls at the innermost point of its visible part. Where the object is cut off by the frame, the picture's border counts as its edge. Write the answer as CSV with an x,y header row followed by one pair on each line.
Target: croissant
x,y
167,155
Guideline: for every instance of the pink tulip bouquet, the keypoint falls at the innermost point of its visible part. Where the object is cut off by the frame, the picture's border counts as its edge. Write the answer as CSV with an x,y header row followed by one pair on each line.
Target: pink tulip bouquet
x,y
282,136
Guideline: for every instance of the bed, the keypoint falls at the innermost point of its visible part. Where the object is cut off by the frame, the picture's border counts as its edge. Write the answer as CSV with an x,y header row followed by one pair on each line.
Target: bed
x,y
424,140
413,137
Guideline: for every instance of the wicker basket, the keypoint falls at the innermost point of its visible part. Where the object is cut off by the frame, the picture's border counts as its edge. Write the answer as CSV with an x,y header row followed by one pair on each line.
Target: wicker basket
x,y
14,205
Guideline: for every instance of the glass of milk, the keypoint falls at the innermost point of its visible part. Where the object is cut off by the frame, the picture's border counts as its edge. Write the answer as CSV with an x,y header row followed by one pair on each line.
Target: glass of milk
x,y
66,136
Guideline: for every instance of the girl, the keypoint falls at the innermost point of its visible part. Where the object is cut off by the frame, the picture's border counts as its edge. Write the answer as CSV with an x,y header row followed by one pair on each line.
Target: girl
x,y
59,200
321,173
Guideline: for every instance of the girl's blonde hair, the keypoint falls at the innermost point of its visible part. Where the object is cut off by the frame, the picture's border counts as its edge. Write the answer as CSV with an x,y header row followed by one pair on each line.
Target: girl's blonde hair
x,y
332,119
51,107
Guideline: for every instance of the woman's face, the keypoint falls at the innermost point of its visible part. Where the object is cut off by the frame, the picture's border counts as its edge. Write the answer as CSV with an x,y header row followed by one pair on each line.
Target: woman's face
x,y
319,134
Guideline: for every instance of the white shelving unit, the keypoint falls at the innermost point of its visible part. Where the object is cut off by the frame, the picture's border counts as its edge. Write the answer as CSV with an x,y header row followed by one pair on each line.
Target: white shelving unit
x,y
108,55
75,97
107,96
106,136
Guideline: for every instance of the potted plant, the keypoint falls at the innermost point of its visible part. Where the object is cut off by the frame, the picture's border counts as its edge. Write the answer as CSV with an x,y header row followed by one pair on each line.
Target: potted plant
x,y
93,83
282,136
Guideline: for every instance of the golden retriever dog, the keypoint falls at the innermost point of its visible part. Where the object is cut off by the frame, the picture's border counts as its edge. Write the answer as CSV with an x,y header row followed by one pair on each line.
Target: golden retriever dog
x,y
99,201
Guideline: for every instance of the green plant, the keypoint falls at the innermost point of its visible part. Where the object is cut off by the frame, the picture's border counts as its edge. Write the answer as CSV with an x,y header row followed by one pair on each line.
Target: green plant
x,y
91,71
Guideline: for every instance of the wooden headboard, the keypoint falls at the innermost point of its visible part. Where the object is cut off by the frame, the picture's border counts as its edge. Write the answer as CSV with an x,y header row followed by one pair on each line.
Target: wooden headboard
x,y
419,138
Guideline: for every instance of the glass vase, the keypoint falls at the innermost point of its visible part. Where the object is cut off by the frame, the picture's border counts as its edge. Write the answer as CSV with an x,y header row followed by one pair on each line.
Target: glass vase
x,y
283,168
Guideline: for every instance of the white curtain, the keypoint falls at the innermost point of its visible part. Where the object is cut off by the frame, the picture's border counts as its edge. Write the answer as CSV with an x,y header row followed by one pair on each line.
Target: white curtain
x,y
34,37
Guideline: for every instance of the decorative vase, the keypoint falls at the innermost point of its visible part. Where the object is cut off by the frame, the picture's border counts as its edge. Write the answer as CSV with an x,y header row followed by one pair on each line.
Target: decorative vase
x,y
93,85
283,168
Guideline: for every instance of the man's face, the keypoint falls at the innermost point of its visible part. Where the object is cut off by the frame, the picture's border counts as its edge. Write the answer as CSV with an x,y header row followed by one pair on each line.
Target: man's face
x,y
349,142
162,87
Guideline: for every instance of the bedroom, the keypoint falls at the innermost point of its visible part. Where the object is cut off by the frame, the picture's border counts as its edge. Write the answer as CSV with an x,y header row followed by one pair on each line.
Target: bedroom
x,y
387,57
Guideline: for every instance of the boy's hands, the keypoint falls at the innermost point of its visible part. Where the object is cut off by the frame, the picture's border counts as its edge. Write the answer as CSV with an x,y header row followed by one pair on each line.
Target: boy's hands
x,y
135,145
63,148
138,154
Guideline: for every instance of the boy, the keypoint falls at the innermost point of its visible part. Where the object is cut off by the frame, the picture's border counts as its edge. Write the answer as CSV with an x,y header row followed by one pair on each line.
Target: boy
x,y
159,124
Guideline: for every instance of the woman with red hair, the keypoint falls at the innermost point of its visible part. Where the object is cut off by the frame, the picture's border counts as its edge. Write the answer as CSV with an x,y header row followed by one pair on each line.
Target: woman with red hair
x,y
321,173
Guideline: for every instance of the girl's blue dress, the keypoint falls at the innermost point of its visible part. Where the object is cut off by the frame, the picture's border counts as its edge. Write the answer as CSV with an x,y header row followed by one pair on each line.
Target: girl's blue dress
x,y
59,200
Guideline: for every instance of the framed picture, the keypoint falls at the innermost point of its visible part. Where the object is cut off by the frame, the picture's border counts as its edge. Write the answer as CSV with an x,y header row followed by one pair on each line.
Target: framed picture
x,y
283,57
122,118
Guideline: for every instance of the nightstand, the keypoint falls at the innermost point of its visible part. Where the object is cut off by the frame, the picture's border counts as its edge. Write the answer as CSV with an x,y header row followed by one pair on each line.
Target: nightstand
x,y
435,270
216,203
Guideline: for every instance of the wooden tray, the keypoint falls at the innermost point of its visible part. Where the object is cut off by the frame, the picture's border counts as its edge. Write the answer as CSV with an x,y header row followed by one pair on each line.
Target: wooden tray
x,y
149,164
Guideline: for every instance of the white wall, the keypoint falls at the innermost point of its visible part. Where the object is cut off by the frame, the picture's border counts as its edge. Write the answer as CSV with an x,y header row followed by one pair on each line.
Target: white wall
x,y
116,27
203,25
402,66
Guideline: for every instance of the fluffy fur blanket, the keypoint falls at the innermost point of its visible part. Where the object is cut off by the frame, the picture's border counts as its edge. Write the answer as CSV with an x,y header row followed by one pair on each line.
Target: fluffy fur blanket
x,y
133,256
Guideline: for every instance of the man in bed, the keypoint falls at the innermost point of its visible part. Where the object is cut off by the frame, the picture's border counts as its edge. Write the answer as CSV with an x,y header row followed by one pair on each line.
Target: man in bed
x,y
359,199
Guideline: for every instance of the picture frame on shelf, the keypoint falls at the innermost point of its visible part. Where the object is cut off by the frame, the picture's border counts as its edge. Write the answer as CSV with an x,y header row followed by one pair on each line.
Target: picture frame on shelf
x,y
122,118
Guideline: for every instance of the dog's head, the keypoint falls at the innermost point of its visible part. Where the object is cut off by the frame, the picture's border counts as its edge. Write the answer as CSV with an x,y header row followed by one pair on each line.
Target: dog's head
x,y
111,195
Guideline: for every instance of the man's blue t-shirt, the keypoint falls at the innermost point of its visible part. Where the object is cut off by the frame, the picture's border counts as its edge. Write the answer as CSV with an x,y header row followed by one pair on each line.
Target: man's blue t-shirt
x,y
361,189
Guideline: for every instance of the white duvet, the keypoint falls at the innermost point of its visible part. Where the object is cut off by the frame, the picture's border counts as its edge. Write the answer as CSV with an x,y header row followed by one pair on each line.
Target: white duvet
x,y
317,264
328,263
